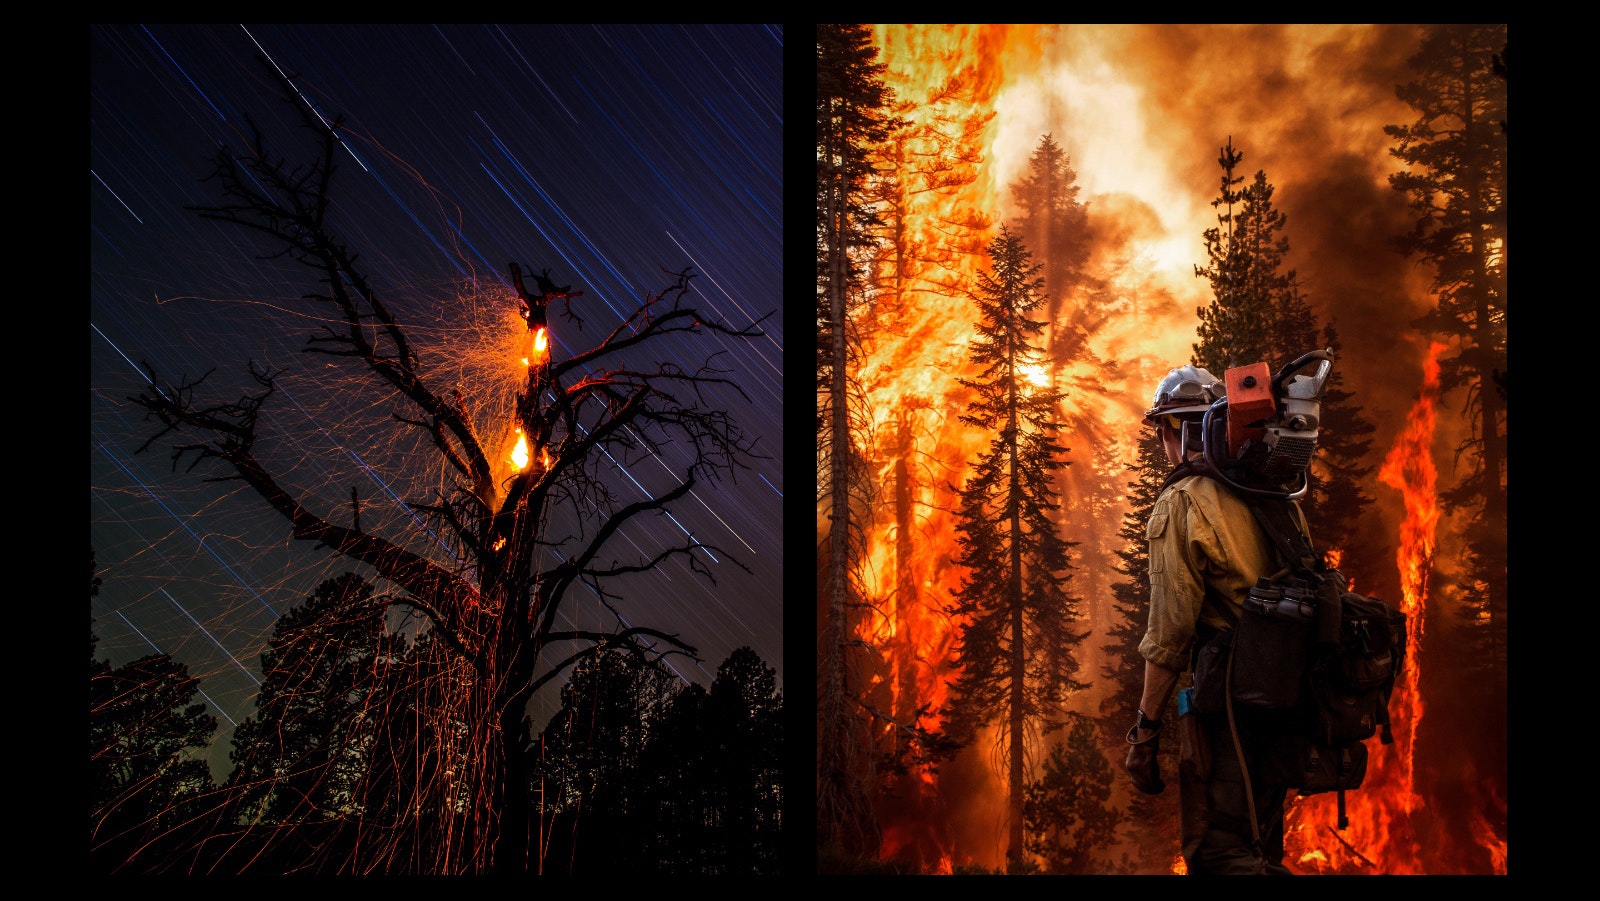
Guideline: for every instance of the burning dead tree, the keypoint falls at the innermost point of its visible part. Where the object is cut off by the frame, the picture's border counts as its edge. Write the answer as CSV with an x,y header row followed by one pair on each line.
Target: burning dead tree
x,y
494,598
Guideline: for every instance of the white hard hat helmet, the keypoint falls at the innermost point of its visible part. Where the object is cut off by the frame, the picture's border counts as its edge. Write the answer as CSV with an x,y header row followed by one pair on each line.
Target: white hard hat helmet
x,y
1185,390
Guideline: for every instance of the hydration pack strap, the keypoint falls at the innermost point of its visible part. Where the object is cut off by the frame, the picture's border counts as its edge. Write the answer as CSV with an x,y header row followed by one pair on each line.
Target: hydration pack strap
x,y
1238,750
1293,547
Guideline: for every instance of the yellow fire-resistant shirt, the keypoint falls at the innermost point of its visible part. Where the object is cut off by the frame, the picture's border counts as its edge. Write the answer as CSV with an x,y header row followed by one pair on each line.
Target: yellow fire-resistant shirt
x,y
1200,534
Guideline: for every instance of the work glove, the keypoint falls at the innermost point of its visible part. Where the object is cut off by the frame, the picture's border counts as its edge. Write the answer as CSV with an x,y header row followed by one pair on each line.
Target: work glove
x,y
1143,764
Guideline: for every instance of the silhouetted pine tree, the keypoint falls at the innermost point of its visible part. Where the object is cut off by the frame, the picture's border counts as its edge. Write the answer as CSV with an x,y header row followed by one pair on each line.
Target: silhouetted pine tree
x,y
684,813
1071,824
1259,315
144,778
301,755
1455,153
1016,645
1054,225
1245,249
746,776
711,773
597,817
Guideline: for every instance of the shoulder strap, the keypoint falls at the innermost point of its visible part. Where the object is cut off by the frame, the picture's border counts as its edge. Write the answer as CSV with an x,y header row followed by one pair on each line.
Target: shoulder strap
x,y
1199,467
1293,547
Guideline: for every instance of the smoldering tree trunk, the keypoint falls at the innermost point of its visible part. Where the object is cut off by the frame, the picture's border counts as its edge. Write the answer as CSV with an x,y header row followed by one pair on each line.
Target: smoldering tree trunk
x,y
512,847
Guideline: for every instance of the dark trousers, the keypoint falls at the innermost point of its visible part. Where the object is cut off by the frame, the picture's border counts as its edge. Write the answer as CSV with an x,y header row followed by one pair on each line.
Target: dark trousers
x,y
1215,807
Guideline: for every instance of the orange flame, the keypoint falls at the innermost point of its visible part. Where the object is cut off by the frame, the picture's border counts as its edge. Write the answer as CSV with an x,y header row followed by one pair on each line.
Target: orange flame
x,y
951,80
916,342
537,343
520,454
915,336
908,374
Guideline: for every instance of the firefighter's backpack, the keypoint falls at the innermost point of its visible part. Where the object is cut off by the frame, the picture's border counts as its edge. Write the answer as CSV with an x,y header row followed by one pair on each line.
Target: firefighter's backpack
x,y
1320,660
1325,656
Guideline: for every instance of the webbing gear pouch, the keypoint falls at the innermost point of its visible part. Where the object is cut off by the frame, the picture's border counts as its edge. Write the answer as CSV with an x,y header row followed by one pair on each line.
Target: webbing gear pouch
x,y
1353,676
1272,644
1299,761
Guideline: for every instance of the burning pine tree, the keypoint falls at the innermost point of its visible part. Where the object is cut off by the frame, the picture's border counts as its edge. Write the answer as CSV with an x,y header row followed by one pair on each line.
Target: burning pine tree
x,y
490,572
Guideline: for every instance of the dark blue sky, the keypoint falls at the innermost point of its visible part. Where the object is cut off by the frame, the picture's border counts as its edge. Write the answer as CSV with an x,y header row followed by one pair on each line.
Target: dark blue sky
x,y
609,154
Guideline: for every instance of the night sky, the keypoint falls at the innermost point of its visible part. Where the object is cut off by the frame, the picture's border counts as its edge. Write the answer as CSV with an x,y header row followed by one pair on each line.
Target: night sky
x,y
611,155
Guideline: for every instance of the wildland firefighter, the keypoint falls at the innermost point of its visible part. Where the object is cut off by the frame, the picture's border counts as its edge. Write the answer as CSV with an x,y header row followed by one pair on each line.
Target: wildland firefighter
x,y
1292,671
1206,552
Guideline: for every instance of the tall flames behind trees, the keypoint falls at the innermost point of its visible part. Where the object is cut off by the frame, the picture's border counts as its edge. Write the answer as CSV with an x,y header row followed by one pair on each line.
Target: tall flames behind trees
x,y
1138,110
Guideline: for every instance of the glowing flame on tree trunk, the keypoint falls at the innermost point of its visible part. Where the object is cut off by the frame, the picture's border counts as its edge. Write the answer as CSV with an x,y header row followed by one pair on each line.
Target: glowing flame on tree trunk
x,y
519,454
